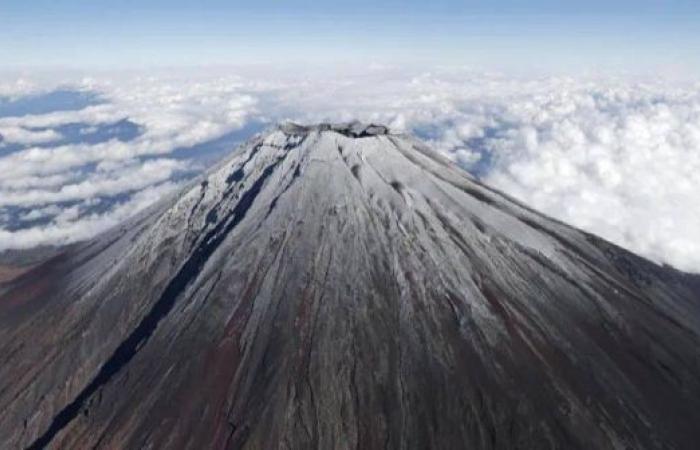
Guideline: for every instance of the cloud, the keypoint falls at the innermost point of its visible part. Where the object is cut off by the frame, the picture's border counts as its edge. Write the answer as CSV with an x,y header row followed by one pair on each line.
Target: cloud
x,y
70,226
622,163
170,116
14,88
23,136
41,213
103,182
617,157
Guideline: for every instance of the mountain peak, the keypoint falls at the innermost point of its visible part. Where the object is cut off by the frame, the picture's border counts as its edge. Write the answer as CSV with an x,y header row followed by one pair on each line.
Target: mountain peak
x,y
336,287
353,129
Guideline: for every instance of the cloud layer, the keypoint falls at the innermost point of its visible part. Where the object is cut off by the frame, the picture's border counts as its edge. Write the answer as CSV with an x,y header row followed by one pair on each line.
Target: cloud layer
x,y
617,157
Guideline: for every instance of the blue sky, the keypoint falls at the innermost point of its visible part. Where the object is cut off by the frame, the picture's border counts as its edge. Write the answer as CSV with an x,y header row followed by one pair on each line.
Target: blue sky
x,y
546,34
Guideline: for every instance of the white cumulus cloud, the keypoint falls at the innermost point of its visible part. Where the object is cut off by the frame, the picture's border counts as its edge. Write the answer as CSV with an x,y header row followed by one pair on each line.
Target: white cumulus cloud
x,y
619,157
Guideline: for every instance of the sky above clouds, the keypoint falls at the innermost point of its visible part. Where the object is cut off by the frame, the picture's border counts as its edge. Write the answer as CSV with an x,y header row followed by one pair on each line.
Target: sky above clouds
x,y
548,35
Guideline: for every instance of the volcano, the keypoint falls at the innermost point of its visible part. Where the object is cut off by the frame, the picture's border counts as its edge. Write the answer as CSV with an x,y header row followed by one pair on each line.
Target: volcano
x,y
345,287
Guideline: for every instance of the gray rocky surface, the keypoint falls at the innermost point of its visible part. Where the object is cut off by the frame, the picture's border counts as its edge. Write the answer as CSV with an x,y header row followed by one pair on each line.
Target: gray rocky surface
x,y
343,287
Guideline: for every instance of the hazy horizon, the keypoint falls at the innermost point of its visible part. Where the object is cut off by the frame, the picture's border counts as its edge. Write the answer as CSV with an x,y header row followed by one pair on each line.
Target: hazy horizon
x,y
541,35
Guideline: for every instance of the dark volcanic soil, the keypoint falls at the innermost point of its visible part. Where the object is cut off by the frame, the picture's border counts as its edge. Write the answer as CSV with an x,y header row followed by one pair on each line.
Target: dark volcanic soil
x,y
342,287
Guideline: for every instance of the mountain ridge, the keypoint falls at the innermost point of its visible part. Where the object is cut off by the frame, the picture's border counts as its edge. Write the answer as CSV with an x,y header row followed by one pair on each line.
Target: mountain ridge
x,y
340,286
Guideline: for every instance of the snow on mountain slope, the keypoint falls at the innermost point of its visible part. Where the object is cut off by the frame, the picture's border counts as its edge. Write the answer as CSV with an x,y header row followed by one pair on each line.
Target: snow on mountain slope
x,y
340,286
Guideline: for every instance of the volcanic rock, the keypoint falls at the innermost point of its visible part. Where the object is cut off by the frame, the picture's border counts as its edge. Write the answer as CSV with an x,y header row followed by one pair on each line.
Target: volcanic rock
x,y
344,287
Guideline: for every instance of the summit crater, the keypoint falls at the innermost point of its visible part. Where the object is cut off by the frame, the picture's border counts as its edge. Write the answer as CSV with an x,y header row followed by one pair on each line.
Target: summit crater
x,y
354,129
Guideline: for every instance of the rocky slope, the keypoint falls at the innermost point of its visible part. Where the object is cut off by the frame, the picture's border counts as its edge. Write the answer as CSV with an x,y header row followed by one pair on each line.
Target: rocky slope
x,y
342,287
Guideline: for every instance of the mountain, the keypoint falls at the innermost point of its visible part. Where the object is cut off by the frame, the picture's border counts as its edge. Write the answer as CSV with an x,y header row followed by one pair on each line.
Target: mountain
x,y
343,287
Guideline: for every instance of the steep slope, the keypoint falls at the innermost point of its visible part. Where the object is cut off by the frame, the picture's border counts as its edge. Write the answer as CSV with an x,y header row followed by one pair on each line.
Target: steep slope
x,y
338,287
